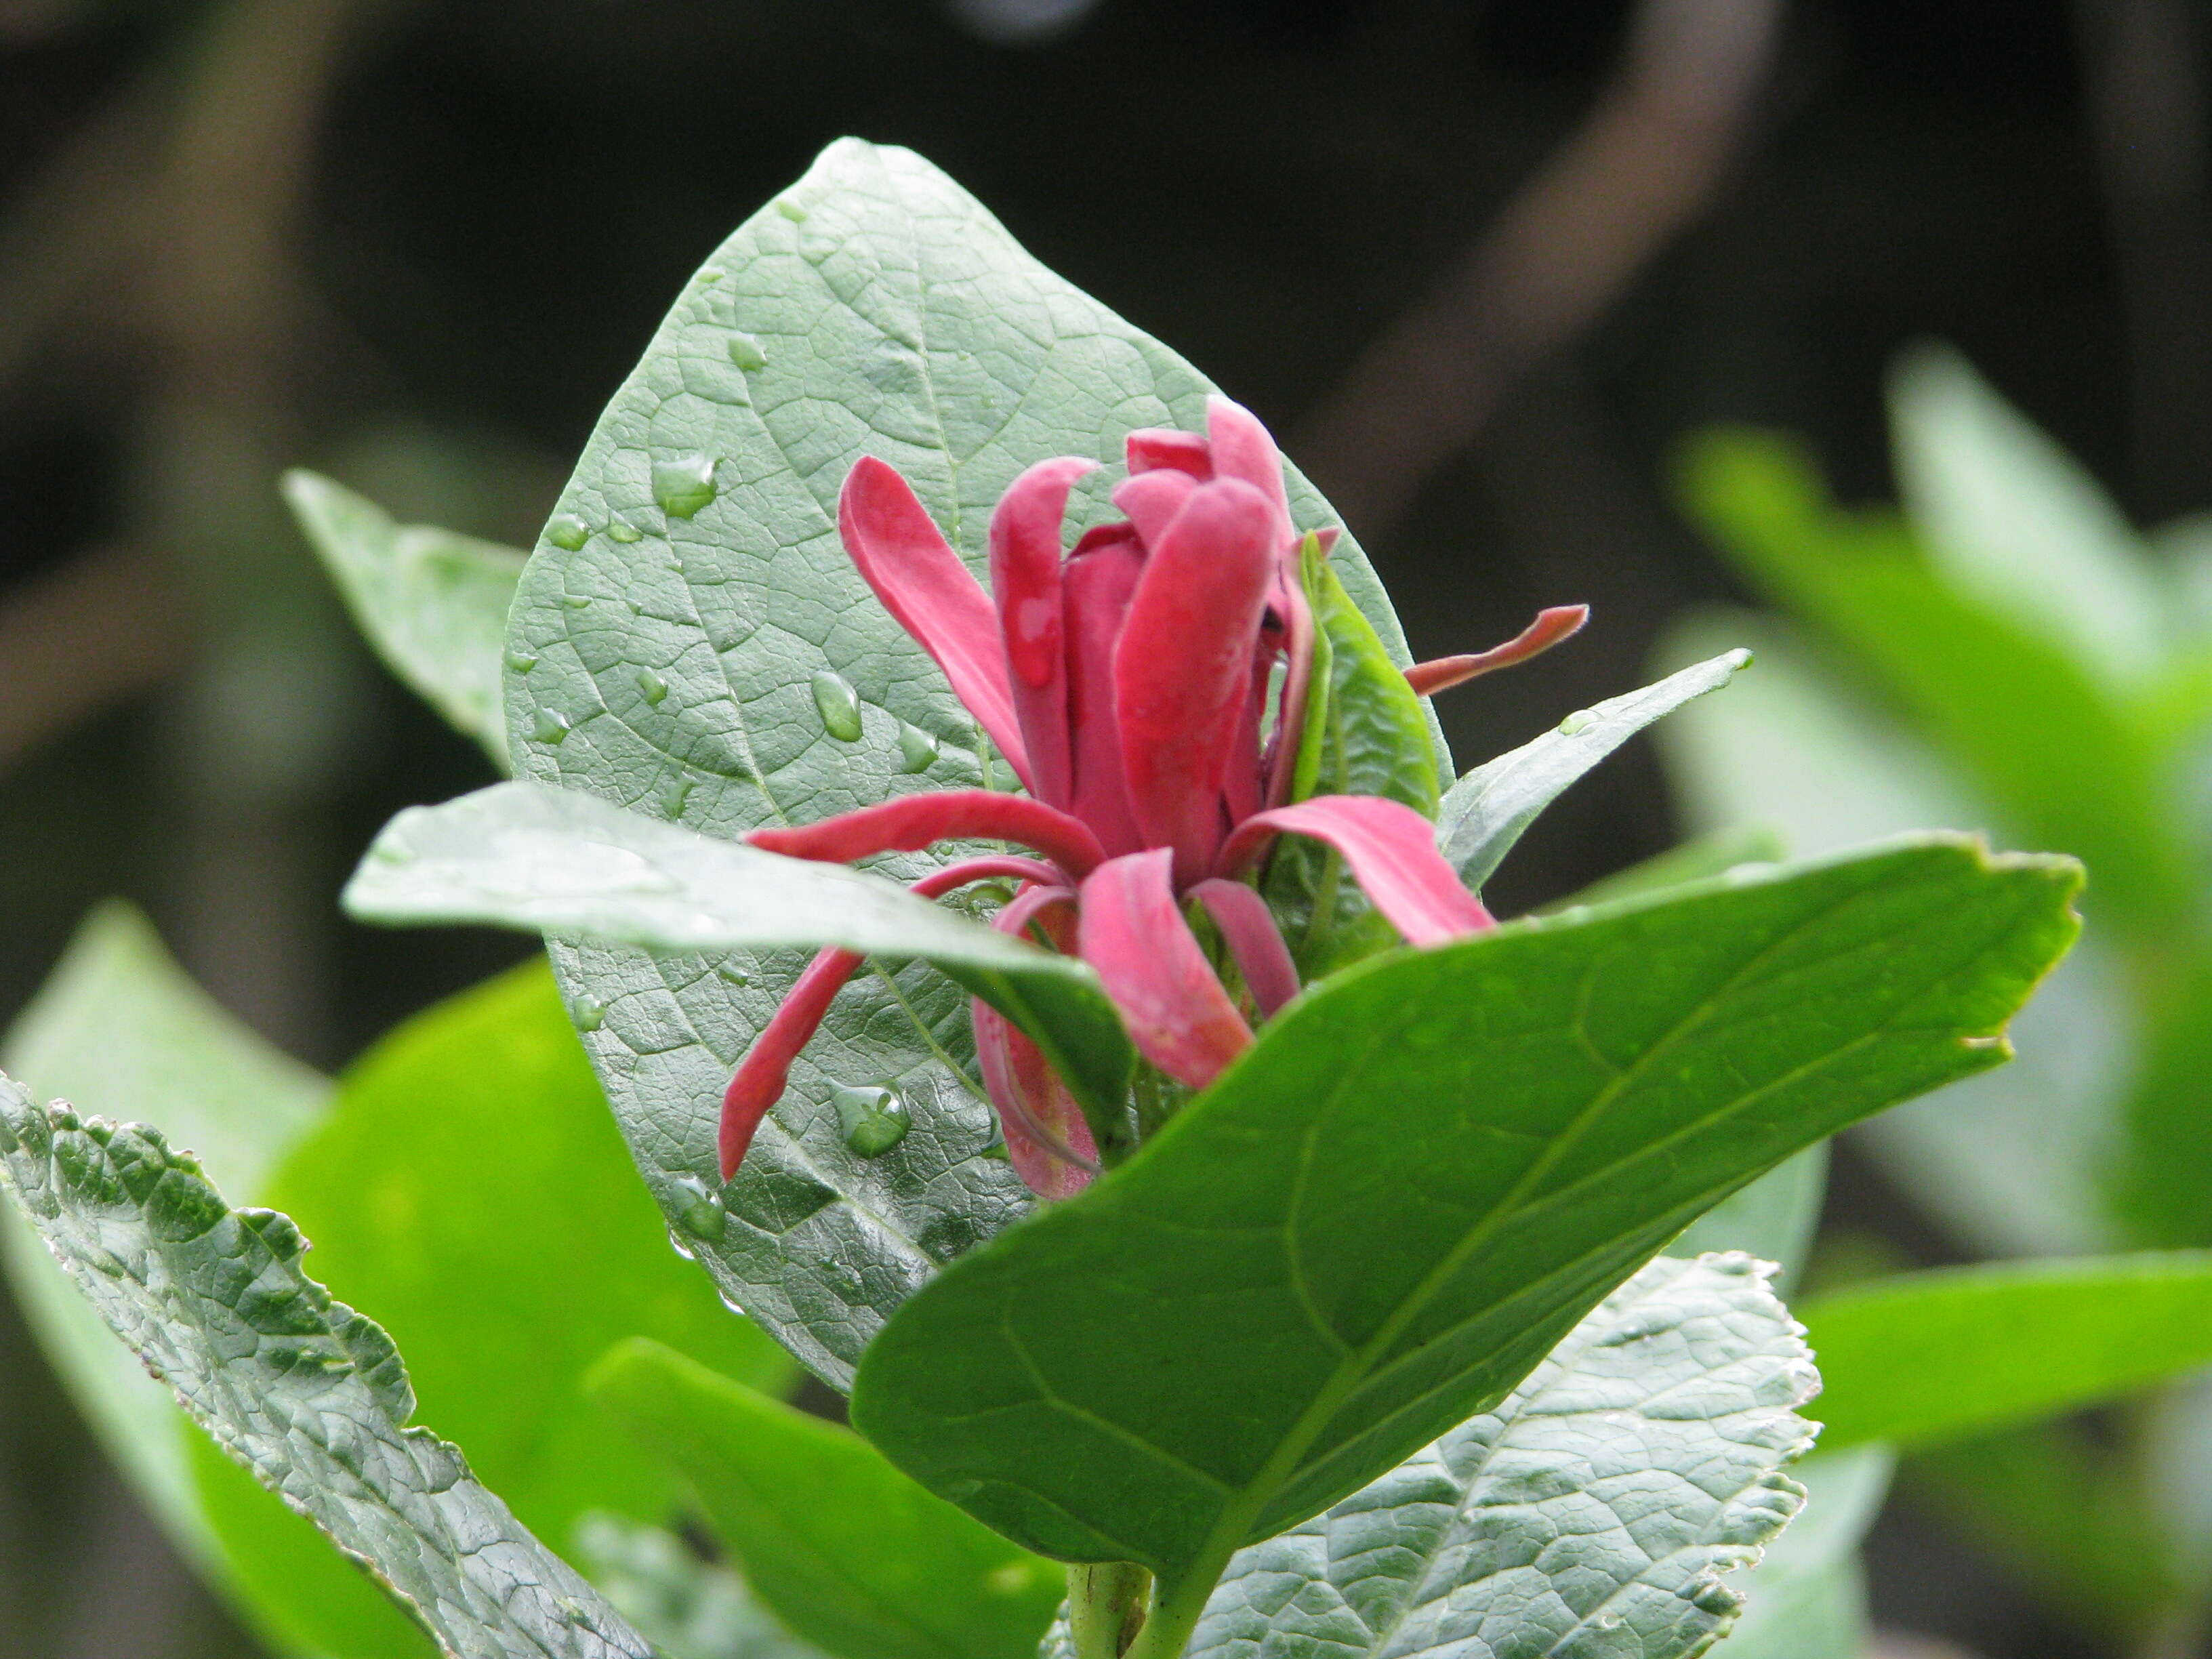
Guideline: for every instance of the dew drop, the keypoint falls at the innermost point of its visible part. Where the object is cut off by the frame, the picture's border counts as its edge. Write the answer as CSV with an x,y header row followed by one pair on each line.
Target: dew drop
x,y
623,532
917,748
652,687
708,278
791,210
576,601
1577,723
874,1119
521,661
698,1208
840,705
549,725
746,352
588,1012
733,1305
736,975
675,1244
675,790
684,485
568,531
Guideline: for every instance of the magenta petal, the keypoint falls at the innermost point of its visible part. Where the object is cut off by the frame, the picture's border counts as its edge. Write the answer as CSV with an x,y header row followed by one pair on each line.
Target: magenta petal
x,y
1392,852
1551,626
1261,956
901,554
1100,578
766,1068
1242,449
1182,666
1025,579
1047,1141
1130,929
1157,448
914,822
1151,500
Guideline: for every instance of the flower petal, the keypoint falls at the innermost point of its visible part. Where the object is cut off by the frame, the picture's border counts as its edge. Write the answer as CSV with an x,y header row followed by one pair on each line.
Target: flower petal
x,y
1025,579
765,1071
914,822
1182,666
1102,576
1392,852
901,555
1040,1119
1245,921
1242,449
1151,500
1131,930
1157,448
1551,626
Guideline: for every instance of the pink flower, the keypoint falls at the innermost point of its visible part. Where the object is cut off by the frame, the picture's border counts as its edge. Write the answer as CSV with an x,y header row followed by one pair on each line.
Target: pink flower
x,y
1127,683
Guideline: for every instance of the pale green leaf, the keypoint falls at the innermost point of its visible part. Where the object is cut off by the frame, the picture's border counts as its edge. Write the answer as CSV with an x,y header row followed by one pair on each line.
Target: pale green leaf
x,y
1773,1219
307,1393
680,663
689,1608
434,604
1485,812
1590,1513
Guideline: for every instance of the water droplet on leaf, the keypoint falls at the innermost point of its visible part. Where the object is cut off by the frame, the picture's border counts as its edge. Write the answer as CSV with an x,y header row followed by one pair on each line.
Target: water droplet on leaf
x,y
521,661
917,749
735,975
674,792
699,1208
791,210
675,1244
568,531
684,485
549,725
1580,721
652,687
874,1119
746,352
840,705
623,532
588,1012
575,601
1011,1579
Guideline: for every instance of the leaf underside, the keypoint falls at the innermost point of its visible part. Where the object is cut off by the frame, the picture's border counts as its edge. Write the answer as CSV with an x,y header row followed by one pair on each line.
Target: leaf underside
x,y
680,665
304,1392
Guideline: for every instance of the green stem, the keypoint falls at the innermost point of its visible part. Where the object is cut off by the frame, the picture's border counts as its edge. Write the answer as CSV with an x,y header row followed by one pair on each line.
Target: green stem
x,y
1176,1611
1105,1606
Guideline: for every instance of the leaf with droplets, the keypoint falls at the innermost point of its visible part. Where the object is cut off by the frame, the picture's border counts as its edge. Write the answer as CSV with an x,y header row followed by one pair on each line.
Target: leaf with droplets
x,y
434,603
307,1394
873,308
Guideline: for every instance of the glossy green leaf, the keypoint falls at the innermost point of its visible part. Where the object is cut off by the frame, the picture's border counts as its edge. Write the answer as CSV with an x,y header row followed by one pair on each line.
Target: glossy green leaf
x,y
2010,1162
2072,767
852,1555
1388,1211
307,1393
434,604
690,1608
1592,1512
1485,812
557,861
681,664
1927,1357
1807,1599
2017,523
471,1190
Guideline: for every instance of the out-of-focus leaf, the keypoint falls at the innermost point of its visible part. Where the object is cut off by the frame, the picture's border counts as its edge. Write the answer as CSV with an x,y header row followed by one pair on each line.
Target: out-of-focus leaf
x,y
1591,1512
689,1608
848,1551
2072,767
1699,859
1485,812
2161,1183
2015,522
2010,1162
690,613
1928,1357
470,1188
120,1029
433,603
1286,1292
1773,1219
307,1393
1807,1600
523,856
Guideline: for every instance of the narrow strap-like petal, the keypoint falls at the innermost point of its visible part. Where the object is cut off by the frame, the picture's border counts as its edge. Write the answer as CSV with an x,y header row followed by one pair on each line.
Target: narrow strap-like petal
x,y
1101,578
914,822
1391,850
765,1071
1047,1141
1261,956
1152,499
1130,929
901,554
1182,666
1157,448
1025,581
1242,448
1551,626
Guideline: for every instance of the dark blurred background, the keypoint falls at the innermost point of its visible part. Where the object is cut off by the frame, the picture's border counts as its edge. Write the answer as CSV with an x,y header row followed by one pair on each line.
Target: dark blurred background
x,y
1480,263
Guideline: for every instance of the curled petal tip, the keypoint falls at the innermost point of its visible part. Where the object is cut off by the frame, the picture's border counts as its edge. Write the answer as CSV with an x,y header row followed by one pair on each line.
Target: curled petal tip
x,y
1557,622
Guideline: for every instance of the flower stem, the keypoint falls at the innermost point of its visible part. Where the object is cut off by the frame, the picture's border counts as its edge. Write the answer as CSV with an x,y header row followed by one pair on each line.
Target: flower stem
x,y
1105,1607
1175,1610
